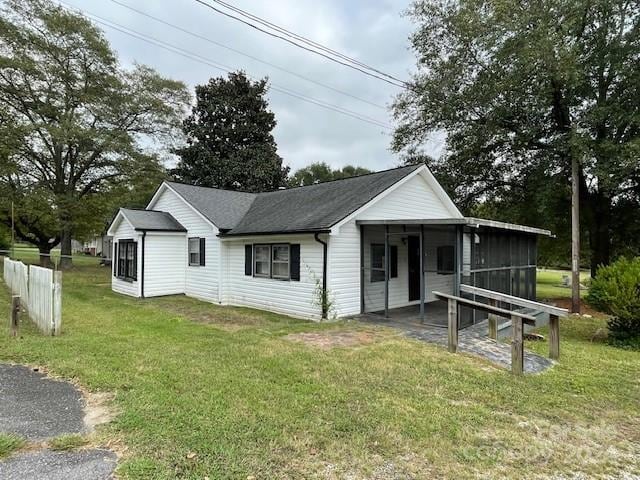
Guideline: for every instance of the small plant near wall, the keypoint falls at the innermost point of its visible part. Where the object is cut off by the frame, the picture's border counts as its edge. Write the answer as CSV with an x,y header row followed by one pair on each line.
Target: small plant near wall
x,y
616,290
322,298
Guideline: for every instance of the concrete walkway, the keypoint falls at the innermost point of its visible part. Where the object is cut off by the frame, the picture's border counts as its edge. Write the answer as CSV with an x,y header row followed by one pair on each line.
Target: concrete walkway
x,y
470,340
38,408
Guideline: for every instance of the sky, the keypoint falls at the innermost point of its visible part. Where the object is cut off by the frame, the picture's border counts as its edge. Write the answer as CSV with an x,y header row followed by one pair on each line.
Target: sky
x,y
374,32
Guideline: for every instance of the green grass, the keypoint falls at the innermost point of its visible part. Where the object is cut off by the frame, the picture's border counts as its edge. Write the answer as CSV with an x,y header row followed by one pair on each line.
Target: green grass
x,y
550,287
202,390
9,443
67,442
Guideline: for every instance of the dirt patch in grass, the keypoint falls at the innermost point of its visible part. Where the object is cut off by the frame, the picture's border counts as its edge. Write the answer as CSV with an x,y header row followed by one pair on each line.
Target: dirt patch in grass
x,y
97,410
585,308
225,317
333,339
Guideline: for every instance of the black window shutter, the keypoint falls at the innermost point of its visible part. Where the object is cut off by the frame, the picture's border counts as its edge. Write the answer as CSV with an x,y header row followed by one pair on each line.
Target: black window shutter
x,y
294,259
394,261
202,252
248,259
114,260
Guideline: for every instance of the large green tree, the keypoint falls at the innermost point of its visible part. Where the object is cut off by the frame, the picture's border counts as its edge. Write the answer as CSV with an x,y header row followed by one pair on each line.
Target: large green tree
x,y
229,139
526,90
82,119
321,172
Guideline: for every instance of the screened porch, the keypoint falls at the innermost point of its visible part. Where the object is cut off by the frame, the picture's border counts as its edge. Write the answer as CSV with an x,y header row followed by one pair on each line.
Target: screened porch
x,y
404,262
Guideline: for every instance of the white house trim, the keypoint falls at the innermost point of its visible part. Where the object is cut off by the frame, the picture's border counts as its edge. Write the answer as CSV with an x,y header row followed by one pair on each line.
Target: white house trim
x,y
429,178
165,185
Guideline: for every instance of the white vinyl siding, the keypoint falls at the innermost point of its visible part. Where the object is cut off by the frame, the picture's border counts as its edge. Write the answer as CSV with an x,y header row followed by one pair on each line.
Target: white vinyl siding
x,y
344,269
414,199
124,231
289,297
200,281
164,269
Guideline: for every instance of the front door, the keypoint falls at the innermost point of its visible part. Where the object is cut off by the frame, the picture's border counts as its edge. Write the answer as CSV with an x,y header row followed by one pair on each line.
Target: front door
x,y
413,252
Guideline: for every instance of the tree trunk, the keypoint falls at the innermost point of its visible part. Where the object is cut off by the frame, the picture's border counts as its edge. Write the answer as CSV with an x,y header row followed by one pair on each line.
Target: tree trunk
x,y
65,248
45,255
599,231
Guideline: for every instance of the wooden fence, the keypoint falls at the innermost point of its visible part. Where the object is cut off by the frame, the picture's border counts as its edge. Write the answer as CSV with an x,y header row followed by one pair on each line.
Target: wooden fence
x,y
40,291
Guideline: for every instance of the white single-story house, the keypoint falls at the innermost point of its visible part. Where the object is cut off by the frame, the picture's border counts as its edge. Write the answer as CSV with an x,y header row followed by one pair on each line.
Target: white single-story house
x,y
361,241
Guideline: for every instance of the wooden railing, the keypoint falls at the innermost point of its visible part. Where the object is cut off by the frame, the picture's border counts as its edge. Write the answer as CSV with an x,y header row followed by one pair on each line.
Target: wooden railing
x,y
517,321
554,314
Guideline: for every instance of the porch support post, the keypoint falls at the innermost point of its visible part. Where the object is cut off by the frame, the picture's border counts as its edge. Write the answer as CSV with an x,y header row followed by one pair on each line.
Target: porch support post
x,y
517,352
554,337
458,260
452,329
493,321
422,273
387,265
361,268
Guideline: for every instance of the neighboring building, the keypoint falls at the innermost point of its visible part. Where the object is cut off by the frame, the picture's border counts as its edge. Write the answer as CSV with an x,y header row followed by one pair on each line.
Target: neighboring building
x,y
98,246
364,239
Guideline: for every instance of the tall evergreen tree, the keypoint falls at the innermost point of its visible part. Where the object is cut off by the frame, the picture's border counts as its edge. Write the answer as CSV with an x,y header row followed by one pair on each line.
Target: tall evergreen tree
x,y
229,139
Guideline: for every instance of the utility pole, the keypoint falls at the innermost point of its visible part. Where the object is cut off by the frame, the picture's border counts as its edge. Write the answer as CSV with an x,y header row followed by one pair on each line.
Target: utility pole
x,y
575,235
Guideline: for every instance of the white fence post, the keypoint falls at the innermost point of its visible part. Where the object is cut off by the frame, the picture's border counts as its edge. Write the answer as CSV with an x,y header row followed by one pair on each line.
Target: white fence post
x,y
41,292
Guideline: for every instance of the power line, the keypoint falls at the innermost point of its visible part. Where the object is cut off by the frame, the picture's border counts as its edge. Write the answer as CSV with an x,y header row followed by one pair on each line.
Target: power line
x,y
199,58
333,59
201,37
303,39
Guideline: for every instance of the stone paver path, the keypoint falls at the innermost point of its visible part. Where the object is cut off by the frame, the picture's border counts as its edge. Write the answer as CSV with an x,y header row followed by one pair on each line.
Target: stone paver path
x,y
470,340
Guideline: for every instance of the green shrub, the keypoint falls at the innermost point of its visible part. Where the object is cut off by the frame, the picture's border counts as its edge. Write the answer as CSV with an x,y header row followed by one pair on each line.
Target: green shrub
x,y
616,290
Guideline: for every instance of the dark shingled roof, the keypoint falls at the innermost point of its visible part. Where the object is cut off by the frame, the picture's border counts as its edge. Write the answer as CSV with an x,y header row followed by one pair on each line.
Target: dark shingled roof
x,y
315,207
223,208
150,220
310,208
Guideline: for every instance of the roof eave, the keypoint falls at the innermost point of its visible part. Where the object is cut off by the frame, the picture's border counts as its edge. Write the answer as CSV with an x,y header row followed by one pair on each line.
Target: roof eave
x,y
274,232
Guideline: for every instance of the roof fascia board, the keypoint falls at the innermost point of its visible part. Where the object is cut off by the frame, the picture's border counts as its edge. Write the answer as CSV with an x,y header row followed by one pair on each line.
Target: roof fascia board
x,y
167,186
335,228
239,236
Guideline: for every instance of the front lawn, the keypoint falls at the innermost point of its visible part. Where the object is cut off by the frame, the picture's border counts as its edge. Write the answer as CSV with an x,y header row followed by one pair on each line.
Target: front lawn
x,y
208,391
550,287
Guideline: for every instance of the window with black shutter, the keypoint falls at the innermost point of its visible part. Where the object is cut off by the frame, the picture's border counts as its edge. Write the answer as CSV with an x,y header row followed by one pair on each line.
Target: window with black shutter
x,y
279,261
248,259
127,261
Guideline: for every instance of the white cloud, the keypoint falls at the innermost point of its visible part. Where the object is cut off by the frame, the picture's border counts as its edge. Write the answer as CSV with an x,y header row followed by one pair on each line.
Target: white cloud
x,y
373,32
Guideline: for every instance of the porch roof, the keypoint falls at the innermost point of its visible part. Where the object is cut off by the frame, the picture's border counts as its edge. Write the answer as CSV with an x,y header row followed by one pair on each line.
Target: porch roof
x,y
470,221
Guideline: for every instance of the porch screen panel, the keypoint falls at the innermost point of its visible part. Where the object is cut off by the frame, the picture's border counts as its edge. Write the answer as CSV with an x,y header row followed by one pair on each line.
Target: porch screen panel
x,y
503,261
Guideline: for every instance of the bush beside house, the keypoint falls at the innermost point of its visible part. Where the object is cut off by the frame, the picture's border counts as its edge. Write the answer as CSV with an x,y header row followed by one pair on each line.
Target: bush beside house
x,y
616,290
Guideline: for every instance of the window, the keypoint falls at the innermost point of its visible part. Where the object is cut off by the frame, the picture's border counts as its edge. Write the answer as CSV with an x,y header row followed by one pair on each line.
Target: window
x,y
446,259
262,261
280,261
194,251
272,261
378,263
128,260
